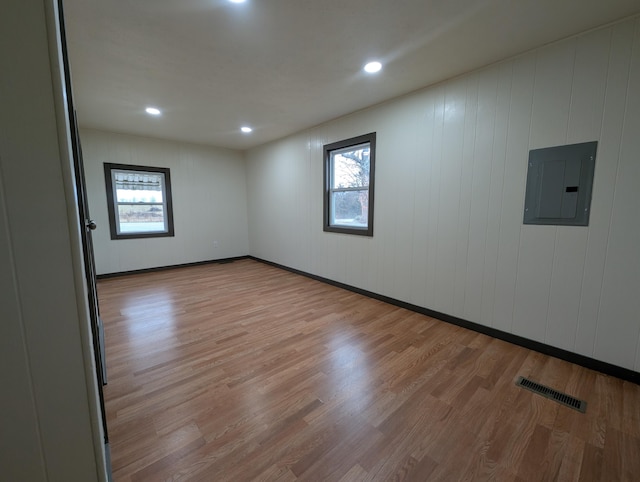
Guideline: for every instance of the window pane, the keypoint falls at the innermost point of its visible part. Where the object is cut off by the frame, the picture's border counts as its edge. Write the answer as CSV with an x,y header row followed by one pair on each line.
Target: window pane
x,y
349,171
350,167
141,219
138,201
132,187
350,208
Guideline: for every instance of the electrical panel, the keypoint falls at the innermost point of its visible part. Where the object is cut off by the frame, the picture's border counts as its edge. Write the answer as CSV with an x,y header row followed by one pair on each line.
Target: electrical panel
x,y
559,183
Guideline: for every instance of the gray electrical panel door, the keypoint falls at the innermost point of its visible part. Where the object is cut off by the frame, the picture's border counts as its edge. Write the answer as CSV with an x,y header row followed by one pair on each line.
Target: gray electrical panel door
x,y
559,183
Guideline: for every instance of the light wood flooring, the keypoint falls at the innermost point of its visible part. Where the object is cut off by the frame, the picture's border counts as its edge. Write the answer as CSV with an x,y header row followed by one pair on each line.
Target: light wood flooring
x,y
242,371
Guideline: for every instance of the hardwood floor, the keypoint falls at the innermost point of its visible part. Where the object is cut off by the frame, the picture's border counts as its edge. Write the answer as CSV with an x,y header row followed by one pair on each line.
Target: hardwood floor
x,y
242,371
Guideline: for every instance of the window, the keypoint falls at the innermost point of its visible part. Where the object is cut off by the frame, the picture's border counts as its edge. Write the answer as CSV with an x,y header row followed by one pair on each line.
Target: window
x,y
139,201
348,180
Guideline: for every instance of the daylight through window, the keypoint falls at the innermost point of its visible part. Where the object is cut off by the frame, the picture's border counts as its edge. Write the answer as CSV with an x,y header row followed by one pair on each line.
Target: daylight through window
x,y
139,201
349,168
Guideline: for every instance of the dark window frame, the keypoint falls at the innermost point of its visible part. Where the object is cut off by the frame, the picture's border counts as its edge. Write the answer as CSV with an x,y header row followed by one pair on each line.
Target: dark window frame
x,y
111,202
327,150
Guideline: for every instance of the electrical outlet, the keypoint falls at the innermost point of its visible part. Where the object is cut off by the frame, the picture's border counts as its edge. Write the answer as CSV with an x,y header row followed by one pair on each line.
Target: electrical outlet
x,y
216,244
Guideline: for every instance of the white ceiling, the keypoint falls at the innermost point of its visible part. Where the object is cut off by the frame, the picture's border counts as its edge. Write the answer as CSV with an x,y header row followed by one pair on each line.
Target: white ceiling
x,y
281,66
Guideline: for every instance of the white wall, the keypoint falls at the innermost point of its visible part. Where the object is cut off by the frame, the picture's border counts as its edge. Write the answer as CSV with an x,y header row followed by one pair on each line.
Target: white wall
x,y
450,181
209,201
48,414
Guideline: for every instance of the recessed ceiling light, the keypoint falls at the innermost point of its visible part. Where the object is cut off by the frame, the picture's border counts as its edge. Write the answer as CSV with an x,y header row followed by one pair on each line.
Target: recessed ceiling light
x,y
246,129
152,111
373,67
237,1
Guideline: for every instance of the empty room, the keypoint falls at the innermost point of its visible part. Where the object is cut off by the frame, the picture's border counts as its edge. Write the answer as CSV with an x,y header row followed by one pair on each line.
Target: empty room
x,y
323,241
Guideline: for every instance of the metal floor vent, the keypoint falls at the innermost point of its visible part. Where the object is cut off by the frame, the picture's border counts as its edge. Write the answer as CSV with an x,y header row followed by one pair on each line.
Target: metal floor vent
x,y
563,398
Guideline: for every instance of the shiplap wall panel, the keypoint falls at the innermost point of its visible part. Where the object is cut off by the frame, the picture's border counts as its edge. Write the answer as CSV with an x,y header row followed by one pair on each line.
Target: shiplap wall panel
x,y
295,169
480,189
618,327
434,160
584,124
424,196
535,264
449,198
404,200
437,206
461,239
549,119
496,188
450,185
512,204
552,95
565,289
589,86
388,192
421,199
607,159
